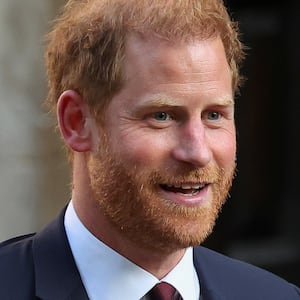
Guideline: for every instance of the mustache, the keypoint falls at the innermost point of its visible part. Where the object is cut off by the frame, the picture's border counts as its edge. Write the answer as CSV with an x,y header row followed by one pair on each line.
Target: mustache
x,y
172,174
201,175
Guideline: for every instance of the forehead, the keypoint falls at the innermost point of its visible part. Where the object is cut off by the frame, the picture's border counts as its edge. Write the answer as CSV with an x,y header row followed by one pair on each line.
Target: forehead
x,y
146,55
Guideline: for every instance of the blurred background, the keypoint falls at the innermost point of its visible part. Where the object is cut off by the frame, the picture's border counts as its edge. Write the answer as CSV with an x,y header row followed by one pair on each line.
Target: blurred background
x,y
259,223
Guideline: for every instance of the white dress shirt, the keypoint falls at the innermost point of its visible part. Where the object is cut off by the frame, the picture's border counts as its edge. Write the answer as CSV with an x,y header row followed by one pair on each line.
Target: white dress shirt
x,y
107,275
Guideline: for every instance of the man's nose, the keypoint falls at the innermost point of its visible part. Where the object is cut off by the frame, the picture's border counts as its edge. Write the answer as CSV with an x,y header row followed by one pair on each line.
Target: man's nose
x,y
193,146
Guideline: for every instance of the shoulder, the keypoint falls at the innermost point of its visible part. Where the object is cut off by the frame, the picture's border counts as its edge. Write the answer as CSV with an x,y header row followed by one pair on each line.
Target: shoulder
x,y
234,277
16,252
16,267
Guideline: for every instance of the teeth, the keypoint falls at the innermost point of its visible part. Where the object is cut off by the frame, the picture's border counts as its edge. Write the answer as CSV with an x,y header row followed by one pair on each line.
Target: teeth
x,y
186,186
187,195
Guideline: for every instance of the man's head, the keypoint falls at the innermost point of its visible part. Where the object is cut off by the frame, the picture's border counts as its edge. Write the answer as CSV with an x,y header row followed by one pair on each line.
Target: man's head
x,y
146,93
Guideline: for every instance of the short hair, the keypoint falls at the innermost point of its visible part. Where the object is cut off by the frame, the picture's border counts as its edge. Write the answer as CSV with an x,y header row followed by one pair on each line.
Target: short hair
x,y
85,49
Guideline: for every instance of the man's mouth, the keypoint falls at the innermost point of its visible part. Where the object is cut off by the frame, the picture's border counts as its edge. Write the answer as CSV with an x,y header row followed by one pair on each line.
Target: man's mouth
x,y
187,190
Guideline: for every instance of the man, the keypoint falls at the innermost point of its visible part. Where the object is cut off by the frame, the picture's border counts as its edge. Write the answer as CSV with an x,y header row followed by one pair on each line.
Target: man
x,y
144,95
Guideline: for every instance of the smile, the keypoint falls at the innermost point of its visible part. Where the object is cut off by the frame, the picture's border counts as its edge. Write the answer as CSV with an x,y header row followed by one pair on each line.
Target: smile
x,y
187,190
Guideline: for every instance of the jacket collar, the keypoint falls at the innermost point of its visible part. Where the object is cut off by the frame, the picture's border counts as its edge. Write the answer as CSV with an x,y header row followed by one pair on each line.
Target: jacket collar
x,y
57,276
55,270
209,287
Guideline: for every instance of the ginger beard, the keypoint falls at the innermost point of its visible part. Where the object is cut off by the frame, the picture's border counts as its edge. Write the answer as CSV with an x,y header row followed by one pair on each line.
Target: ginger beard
x,y
130,198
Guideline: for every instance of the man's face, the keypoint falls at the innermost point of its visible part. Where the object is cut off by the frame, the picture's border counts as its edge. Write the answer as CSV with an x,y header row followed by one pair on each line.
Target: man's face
x,y
167,158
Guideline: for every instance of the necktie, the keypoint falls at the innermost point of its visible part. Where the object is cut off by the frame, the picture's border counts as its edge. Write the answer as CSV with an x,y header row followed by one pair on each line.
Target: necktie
x,y
162,291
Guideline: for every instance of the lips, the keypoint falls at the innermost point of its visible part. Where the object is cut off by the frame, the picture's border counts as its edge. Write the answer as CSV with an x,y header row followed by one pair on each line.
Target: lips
x,y
185,189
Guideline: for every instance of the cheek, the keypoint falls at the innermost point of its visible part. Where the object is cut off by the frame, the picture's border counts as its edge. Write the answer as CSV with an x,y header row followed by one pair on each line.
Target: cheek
x,y
224,151
144,150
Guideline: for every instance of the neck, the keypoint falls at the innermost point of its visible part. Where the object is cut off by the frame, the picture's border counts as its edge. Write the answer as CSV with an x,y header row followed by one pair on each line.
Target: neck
x,y
156,262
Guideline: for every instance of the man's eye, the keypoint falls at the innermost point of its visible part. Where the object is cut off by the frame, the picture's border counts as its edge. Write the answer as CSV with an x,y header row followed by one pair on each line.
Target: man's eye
x,y
213,115
161,116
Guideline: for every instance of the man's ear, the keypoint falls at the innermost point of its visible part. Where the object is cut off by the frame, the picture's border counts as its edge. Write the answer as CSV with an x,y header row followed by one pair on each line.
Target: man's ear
x,y
74,121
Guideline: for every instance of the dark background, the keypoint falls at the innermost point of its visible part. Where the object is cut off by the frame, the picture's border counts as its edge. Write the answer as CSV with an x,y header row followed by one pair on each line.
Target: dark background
x,y
261,222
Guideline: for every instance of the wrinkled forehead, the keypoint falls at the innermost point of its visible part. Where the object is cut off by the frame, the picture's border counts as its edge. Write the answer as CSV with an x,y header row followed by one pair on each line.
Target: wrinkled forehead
x,y
166,53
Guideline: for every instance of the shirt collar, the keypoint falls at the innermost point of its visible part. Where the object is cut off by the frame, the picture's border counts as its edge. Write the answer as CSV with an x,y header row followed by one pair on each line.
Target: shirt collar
x,y
107,275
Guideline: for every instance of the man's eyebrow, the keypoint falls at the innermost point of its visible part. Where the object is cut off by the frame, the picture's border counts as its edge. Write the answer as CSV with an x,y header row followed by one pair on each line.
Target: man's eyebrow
x,y
161,101
165,101
172,103
228,101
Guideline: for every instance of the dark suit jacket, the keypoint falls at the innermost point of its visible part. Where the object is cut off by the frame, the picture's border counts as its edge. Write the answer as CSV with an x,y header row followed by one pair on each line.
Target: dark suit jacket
x,y
41,266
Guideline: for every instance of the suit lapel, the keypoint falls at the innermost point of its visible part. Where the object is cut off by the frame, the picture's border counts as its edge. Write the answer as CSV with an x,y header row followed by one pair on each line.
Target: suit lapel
x,y
56,273
57,276
209,287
